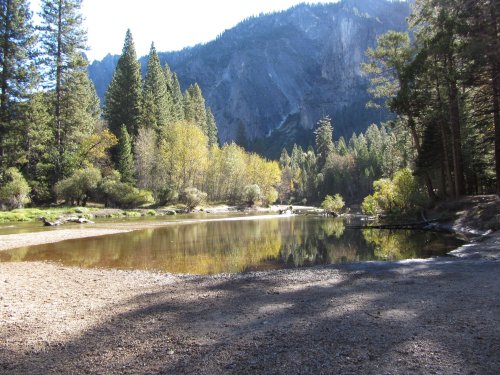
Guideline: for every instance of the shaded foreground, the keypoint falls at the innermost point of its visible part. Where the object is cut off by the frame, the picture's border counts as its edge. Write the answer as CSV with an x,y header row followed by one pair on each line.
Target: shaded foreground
x,y
436,316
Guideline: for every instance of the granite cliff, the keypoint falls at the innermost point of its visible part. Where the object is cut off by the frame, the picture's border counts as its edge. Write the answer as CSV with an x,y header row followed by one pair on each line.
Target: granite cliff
x,y
270,78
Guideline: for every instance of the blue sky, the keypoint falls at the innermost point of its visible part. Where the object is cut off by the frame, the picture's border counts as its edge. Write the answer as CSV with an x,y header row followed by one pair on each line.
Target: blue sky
x,y
170,24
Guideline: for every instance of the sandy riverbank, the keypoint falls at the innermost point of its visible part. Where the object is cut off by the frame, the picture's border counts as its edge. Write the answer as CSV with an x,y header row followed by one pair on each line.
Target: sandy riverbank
x,y
12,241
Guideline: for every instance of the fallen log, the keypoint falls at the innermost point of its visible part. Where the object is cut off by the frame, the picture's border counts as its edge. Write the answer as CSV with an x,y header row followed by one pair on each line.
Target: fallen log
x,y
78,220
50,223
404,226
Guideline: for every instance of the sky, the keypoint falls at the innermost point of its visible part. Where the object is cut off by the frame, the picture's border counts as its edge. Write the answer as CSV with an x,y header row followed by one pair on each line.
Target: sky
x,y
170,24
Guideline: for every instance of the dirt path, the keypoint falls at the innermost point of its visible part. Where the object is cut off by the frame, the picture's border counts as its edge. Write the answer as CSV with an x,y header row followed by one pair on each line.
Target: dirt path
x,y
414,317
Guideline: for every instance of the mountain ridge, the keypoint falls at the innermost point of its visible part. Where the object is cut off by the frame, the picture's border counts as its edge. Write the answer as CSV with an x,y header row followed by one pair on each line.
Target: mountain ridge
x,y
270,78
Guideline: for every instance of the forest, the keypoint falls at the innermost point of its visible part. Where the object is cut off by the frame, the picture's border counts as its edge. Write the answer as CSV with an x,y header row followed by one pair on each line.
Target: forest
x,y
150,142
441,81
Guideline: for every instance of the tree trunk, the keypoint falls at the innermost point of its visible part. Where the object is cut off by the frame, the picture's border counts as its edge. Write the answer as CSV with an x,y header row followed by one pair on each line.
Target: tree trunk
x,y
496,120
495,82
444,188
59,68
416,141
4,94
446,161
456,139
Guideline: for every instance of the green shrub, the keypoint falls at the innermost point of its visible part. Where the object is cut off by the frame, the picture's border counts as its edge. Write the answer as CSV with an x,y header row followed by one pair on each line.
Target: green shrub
x,y
384,194
115,193
42,187
333,205
132,214
407,194
401,195
270,196
78,188
168,195
15,190
369,205
193,197
251,194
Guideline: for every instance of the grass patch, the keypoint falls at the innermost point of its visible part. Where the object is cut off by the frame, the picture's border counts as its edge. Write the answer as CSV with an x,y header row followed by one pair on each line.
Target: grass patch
x,y
33,214
132,214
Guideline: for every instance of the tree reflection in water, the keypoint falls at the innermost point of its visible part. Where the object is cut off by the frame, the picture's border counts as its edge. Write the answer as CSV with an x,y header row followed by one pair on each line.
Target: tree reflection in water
x,y
238,246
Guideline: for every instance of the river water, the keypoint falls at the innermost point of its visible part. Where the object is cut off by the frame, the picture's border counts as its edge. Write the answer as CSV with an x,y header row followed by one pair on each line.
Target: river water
x,y
245,244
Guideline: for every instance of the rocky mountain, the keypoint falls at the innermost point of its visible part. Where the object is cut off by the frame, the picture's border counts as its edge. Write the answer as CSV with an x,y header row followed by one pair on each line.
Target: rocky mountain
x,y
271,78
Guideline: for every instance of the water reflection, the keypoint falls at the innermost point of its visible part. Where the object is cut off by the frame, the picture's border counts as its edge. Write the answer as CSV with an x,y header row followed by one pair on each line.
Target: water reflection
x,y
407,244
237,246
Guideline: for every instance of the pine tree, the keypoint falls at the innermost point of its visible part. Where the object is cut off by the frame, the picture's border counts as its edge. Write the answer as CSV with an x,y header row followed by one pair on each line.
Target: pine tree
x,y
324,141
196,112
80,112
167,72
124,94
213,138
38,143
177,100
17,73
125,156
156,98
483,46
187,106
63,41
494,59
388,66
438,26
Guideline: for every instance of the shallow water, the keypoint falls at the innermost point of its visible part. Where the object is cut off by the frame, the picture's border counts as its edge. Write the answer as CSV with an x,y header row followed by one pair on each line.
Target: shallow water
x,y
240,245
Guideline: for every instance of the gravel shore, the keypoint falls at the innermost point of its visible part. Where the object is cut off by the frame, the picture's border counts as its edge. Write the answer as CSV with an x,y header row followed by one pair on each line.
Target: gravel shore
x,y
438,316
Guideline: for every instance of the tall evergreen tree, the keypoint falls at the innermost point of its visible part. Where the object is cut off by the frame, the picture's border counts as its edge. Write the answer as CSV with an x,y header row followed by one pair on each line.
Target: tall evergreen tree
x,y
324,141
63,40
483,46
213,137
124,94
195,104
494,60
125,156
17,72
169,76
177,100
80,112
175,94
187,106
38,143
156,98
439,26
388,64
